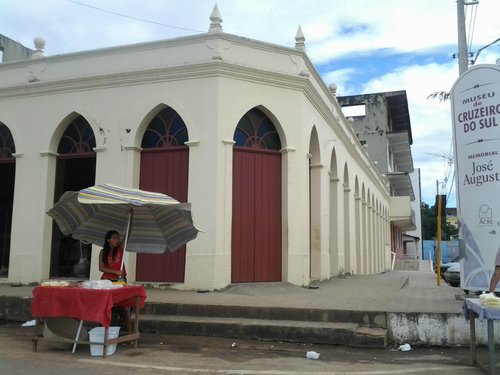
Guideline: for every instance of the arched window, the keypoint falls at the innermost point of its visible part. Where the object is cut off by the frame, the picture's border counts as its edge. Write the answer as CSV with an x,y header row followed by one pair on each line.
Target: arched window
x,y
75,170
78,138
255,130
167,129
7,147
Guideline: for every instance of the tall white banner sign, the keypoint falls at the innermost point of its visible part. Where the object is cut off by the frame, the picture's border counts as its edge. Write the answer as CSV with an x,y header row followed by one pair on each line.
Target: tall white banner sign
x,y
475,98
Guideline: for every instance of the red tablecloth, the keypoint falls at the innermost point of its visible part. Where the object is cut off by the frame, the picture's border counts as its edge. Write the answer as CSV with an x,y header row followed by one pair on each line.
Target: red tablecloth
x,y
82,303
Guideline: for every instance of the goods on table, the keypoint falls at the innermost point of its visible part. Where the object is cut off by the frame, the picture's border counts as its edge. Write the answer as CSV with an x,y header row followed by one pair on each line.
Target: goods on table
x,y
489,300
100,284
55,283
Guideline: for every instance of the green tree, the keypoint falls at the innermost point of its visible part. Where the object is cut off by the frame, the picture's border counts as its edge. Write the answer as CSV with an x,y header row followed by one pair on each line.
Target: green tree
x,y
429,224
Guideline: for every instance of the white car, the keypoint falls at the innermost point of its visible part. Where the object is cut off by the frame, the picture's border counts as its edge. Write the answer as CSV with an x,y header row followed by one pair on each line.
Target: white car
x,y
452,275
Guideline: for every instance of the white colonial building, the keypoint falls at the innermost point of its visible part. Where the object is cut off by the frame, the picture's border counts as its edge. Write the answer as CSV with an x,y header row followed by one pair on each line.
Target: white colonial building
x,y
244,130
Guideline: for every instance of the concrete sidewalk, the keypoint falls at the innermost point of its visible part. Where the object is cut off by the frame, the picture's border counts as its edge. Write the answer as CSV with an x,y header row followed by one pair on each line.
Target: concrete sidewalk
x,y
407,304
395,291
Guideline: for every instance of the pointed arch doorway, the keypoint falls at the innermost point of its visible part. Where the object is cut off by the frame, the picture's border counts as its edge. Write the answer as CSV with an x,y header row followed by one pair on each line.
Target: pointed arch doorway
x,y
256,216
314,207
7,178
75,170
164,169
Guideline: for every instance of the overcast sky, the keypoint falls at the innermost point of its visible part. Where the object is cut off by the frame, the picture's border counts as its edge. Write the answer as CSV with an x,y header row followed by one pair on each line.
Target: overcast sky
x,y
363,46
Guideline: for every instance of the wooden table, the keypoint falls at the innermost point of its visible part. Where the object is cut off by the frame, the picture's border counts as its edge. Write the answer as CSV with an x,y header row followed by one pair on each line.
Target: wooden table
x,y
85,304
473,310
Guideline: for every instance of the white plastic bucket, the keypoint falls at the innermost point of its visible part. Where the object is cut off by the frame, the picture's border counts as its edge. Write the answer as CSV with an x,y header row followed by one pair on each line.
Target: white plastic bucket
x,y
97,335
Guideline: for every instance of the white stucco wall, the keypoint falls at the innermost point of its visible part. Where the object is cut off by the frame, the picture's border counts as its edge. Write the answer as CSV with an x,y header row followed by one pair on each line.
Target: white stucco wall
x,y
211,81
437,329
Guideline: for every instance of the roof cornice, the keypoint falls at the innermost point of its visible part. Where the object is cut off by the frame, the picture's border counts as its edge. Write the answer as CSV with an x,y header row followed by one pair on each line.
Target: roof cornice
x,y
154,45
313,87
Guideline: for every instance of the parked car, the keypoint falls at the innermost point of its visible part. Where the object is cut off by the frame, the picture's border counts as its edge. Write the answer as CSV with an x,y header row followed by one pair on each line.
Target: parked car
x,y
452,275
445,266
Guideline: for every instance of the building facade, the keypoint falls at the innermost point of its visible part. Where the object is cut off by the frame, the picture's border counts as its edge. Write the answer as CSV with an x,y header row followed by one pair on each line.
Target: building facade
x,y
10,50
413,248
244,130
381,122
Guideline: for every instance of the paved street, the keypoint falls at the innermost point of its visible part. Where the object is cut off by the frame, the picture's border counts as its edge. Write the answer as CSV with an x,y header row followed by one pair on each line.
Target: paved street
x,y
167,354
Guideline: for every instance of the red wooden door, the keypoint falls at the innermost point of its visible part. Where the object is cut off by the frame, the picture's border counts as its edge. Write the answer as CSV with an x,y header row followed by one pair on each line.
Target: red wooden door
x,y
256,223
164,171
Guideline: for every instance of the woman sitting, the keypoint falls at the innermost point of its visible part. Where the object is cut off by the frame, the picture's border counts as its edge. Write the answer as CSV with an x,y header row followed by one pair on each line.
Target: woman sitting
x,y
110,264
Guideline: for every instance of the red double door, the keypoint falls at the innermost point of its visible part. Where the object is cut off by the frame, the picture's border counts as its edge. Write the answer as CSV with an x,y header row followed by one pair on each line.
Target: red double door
x,y
256,222
164,171
256,226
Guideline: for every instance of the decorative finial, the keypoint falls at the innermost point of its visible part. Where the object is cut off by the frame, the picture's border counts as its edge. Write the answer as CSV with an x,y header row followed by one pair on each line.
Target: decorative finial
x,y
215,21
299,40
39,45
333,89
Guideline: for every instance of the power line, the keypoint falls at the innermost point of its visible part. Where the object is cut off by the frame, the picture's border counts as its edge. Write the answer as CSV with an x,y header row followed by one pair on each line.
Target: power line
x,y
450,164
447,168
452,183
480,49
133,18
472,24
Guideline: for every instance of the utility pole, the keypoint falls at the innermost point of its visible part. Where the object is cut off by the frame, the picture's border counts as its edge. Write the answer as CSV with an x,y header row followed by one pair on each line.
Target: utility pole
x,y
439,208
463,58
438,233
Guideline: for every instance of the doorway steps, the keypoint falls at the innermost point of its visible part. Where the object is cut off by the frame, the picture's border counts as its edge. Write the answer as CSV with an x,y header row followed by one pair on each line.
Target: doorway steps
x,y
335,327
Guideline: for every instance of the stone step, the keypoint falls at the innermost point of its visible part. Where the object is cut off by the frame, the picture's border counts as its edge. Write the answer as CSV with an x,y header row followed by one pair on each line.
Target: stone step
x,y
374,319
349,334
15,308
368,337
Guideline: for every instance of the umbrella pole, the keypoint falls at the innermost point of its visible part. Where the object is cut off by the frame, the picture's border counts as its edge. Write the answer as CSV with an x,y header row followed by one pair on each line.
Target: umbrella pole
x,y
126,238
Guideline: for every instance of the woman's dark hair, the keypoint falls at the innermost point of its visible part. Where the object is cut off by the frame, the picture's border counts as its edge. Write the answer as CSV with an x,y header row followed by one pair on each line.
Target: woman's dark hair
x,y
106,248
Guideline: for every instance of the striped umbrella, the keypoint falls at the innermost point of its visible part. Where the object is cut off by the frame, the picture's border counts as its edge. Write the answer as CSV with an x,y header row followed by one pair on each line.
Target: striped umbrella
x,y
160,223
